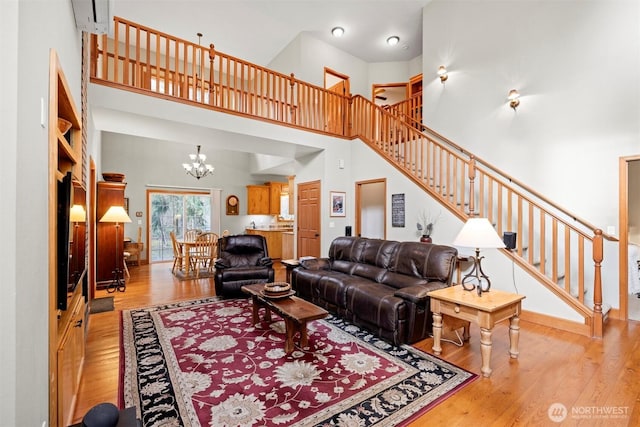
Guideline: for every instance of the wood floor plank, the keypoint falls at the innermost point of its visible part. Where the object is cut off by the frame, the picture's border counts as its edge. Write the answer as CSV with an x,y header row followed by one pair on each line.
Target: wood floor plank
x,y
553,365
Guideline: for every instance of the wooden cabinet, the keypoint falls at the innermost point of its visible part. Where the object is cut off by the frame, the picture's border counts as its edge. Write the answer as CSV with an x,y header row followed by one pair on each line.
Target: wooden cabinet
x,y
275,191
70,356
273,239
67,307
109,256
290,185
415,85
287,245
265,199
258,198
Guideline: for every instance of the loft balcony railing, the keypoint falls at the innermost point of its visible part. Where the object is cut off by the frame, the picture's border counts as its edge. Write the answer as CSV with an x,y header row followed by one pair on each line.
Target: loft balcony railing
x,y
560,250
143,59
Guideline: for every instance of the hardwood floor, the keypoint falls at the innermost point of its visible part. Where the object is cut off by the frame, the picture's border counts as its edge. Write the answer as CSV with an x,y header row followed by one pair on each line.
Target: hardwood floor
x,y
591,378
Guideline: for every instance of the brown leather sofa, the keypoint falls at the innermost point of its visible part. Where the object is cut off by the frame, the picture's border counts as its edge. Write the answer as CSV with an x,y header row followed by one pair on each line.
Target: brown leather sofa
x,y
380,285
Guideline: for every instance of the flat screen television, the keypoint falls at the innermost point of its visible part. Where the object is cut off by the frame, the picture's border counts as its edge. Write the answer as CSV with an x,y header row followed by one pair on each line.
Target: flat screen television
x,y
64,204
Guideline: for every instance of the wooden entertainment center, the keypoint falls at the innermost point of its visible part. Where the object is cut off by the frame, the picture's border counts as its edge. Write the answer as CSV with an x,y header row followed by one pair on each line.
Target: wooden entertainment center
x,y
67,249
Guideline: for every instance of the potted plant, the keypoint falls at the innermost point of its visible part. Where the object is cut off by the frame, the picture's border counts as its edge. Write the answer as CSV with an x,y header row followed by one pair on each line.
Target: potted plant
x,y
425,226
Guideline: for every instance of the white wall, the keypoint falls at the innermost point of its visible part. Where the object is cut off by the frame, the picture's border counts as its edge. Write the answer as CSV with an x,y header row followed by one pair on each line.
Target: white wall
x,y
8,194
576,67
504,275
29,29
146,161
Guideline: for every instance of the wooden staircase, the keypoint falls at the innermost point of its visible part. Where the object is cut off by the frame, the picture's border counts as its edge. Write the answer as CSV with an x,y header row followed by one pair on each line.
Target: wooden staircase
x,y
560,250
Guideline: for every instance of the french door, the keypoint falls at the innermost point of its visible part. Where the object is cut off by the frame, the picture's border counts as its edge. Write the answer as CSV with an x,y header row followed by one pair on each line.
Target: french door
x,y
175,211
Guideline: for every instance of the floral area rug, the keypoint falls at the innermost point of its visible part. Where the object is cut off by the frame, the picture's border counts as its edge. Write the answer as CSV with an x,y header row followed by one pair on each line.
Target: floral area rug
x,y
203,363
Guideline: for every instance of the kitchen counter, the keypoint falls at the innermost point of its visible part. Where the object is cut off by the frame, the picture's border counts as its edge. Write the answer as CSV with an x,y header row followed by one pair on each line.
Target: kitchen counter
x,y
273,236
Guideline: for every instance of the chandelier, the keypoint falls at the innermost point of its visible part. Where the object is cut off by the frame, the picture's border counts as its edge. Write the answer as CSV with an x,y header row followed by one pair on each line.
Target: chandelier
x,y
197,168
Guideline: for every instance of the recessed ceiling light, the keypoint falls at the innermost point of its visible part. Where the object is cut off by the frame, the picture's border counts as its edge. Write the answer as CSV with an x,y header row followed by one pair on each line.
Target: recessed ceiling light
x,y
337,31
393,40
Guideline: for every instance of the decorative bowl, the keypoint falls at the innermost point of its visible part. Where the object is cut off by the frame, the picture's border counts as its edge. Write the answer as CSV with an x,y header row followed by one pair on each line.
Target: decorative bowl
x,y
277,288
113,177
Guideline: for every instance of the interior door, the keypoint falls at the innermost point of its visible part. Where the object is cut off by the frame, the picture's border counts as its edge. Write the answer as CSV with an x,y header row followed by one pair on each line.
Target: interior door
x,y
308,214
338,84
371,208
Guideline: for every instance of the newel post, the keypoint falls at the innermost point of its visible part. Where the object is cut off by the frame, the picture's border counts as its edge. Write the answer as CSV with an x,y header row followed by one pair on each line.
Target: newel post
x,y
597,327
212,55
472,177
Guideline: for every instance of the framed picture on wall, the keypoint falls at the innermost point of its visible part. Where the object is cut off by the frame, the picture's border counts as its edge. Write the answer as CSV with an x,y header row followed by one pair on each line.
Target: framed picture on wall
x,y
337,202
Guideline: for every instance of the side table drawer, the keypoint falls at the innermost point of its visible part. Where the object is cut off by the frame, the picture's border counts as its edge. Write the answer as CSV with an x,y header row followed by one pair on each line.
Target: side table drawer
x,y
458,311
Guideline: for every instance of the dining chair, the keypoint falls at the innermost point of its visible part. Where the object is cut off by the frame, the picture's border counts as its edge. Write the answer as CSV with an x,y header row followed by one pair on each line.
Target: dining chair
x,y
178,256
204,252
191,234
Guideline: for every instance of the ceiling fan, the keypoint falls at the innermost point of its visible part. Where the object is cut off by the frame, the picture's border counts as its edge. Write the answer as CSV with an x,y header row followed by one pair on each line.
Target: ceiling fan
x,y
378,94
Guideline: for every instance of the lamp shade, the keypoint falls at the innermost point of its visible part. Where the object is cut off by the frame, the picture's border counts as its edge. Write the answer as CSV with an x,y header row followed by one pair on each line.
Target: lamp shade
x,y
77,214
478,233
115,214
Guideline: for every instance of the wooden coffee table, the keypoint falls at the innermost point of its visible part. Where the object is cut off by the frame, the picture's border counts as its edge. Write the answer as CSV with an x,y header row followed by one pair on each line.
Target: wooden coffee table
x,y
295,311
486,310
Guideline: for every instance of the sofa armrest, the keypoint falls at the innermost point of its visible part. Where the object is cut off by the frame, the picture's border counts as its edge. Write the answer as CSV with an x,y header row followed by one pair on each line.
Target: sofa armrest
x,y
221,264
316,264
265,262
418,294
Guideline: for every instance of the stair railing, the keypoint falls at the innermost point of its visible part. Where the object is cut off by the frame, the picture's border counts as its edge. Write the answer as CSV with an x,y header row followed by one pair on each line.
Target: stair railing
x,y
552,244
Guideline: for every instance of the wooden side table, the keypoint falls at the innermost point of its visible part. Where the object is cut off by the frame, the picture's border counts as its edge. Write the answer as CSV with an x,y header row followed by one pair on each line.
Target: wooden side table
x,y
486,310
289,264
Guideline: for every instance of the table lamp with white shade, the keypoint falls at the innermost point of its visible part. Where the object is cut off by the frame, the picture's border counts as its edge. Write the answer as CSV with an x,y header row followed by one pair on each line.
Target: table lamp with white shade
x,y
77,214
116,214
478,233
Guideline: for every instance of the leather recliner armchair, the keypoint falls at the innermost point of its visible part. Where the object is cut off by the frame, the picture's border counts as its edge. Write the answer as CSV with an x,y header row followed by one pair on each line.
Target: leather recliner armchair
x,y
243,259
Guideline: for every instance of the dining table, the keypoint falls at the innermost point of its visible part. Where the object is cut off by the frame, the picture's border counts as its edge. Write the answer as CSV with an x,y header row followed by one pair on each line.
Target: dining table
x,y
187,246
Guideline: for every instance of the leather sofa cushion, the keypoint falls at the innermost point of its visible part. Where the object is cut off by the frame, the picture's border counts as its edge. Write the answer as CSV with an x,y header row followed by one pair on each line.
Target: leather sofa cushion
x,y
376,304
432,262
234,274
342,266
346,249
378,252
400,281
332,287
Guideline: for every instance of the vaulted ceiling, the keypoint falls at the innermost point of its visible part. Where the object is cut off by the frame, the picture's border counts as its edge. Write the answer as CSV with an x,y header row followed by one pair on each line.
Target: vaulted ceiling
x,y
257,30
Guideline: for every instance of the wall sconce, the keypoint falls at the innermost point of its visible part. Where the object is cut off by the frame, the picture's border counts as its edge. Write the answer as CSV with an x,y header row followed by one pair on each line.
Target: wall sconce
x,y
393,40
337,31
442,72
513,98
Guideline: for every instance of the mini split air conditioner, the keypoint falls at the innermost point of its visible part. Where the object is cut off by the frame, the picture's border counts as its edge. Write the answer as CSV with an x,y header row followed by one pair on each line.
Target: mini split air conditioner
x,y
92,15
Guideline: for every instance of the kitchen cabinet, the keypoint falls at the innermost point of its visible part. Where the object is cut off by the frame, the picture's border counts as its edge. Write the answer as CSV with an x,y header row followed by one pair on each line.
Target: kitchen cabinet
x,y
258,199
275,191
273,239
265,199
287,245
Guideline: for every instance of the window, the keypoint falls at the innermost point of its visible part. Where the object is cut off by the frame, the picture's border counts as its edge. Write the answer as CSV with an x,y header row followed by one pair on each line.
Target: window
x,y
177,212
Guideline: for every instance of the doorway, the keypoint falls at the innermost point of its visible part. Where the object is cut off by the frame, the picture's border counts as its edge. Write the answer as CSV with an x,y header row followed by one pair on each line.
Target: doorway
x,y
371,208
335,106
388,93
630,238
308,213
